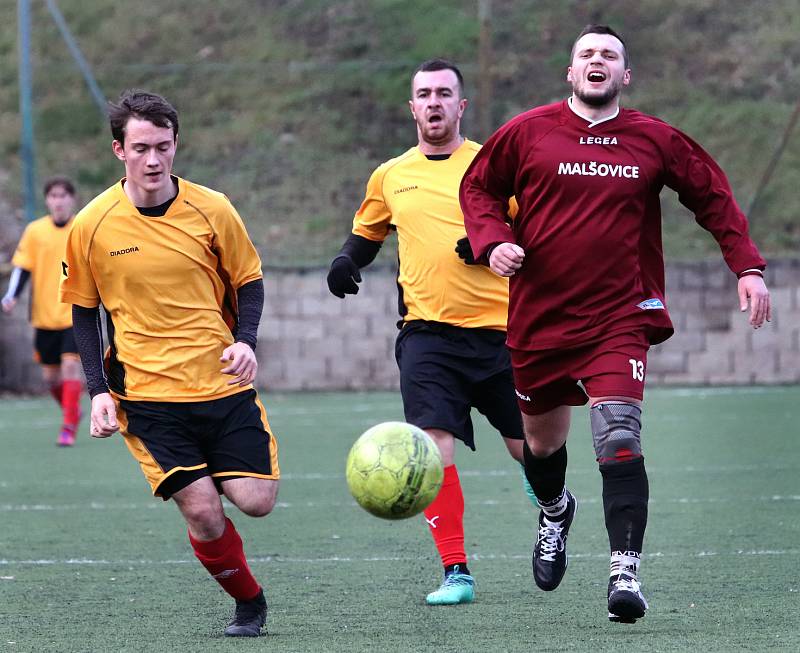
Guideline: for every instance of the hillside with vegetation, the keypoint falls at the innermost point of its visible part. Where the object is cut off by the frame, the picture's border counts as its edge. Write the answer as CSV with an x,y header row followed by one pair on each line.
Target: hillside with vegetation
x,y
287,105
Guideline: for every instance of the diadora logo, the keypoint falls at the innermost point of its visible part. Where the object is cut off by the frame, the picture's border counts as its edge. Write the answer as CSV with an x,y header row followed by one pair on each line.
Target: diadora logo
x,y
432,521
125,250
654,304
598,140
522,396
405,189
595,169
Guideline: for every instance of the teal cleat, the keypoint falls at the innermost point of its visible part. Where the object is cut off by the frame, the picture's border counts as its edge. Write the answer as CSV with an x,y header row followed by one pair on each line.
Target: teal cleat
x,y
456,588
528,489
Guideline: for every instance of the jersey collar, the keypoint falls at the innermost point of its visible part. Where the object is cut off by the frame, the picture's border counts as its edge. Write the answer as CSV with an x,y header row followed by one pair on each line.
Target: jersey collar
x,y
591,122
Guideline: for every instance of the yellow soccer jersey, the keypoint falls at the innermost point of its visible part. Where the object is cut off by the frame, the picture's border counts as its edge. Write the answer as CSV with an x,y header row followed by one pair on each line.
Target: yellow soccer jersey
x,y
40,251
168,285
419,197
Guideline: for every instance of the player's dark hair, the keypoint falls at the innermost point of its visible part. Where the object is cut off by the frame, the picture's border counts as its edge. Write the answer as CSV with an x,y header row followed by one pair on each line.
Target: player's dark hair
x,y
134,103
58,180
432,65
602,29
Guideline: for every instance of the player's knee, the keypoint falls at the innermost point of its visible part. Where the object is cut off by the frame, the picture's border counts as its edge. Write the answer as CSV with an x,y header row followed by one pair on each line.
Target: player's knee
x,y
616,432
541,448
259,503
204,522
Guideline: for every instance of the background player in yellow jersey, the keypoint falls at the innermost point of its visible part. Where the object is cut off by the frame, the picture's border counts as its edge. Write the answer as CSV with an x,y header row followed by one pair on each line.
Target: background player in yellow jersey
x,y
451,346
180,280
38,257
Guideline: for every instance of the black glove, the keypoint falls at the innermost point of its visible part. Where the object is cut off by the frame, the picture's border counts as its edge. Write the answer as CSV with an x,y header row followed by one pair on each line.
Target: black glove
x,y
464,251
343,277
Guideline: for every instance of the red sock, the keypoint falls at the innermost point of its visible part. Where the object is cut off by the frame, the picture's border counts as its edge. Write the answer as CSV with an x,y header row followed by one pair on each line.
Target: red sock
x,y
445,517
224,559
55,390
71,402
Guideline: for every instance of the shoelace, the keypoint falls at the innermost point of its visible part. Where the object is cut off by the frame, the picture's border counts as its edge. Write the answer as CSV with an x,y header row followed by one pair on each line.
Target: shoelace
x,y
627,584
453,580
246,611
550,541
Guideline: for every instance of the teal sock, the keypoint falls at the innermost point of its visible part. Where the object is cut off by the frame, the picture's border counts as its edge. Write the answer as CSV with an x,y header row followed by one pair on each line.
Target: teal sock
x,y
527,487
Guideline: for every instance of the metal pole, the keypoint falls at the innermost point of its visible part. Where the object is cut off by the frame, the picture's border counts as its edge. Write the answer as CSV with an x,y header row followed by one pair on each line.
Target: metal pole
x,y
773,163
86,71
27,150
485,68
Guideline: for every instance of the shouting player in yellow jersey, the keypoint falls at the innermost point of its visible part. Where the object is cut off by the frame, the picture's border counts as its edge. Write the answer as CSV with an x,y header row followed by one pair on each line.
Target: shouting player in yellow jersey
x,y
180,280
451,346
38,257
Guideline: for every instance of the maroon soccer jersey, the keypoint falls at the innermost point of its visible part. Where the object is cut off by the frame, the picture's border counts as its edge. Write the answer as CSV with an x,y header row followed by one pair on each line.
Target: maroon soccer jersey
x,y
590,220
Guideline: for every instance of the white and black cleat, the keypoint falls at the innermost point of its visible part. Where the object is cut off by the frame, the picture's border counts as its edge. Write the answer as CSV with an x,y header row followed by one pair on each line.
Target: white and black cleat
x,y
626,603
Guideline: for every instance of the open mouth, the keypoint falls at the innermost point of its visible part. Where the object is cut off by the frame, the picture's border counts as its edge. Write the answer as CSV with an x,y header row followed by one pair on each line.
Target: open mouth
x,y
435,119
596,76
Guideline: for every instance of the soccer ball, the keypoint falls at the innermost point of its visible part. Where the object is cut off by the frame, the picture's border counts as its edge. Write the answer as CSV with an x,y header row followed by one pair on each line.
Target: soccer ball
x,y
394,470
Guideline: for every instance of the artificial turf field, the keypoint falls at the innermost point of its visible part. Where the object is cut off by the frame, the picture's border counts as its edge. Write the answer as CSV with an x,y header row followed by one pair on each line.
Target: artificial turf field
x,y
90,562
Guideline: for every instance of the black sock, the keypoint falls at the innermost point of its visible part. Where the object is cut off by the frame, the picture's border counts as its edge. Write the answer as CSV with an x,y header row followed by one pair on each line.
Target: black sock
x,y
625,495
547,476
462,568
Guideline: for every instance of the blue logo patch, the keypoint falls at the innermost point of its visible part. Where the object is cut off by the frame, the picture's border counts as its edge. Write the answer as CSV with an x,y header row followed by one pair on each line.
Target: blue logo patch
x,y
654,304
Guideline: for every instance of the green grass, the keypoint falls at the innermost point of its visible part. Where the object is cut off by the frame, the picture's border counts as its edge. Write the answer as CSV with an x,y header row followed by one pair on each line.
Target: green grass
x,y
89,562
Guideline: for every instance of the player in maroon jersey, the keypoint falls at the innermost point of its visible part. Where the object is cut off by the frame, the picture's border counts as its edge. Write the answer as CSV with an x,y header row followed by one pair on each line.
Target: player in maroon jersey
x,y
587,285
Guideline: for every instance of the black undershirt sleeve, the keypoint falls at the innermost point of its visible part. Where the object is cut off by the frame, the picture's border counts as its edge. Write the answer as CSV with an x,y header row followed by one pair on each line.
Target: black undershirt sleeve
x,y
87,328
250,298
24,275
361,250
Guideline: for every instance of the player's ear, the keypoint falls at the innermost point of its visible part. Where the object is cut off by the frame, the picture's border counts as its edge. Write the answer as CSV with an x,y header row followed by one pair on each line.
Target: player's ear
x,y
626,77
462,105
411,107
118,149
569,74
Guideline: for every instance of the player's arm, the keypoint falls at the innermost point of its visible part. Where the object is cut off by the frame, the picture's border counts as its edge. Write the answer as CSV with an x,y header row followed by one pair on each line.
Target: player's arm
x,y
86,327
464,247
344,274
16,284
704,189
243,364
485,188
370,227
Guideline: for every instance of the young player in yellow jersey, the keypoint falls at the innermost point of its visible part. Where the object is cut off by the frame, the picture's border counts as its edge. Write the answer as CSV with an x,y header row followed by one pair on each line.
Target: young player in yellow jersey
x,y
38,257
180,280
451,346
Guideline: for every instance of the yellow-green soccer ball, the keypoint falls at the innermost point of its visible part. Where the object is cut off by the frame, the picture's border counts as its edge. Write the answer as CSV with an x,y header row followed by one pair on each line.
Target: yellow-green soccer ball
x,y
394,470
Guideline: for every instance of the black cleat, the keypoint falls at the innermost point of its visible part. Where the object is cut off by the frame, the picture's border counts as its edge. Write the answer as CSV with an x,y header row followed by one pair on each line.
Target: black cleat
x,y
626,603
248,618
550,551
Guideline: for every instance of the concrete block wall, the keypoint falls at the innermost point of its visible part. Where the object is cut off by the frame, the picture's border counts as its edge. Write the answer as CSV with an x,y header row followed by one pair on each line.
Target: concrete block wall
x,y
310,340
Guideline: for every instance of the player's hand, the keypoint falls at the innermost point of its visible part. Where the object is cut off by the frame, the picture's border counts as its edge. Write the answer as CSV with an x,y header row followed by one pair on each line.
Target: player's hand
x,y
753,293
103,420
243,364
343,277
464,251
9,303
506,259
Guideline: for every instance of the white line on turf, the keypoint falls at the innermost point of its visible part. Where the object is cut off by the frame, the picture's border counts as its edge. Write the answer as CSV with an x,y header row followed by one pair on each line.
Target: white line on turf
x,y
95,505
337,559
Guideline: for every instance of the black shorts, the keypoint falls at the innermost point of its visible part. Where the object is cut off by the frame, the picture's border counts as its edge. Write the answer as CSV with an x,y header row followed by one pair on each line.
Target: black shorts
x,y
50,345
177,443
446,370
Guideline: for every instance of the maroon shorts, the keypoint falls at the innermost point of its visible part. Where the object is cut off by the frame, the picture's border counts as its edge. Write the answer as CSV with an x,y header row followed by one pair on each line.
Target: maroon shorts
x,y
549,378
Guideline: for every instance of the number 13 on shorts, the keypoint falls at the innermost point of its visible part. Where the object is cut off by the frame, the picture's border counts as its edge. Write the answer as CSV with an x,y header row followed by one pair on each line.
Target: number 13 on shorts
x,y
637,369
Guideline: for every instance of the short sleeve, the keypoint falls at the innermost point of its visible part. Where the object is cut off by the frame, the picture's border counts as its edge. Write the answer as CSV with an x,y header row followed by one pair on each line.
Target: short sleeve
x,y
238,256
77,282
24,254
373,218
